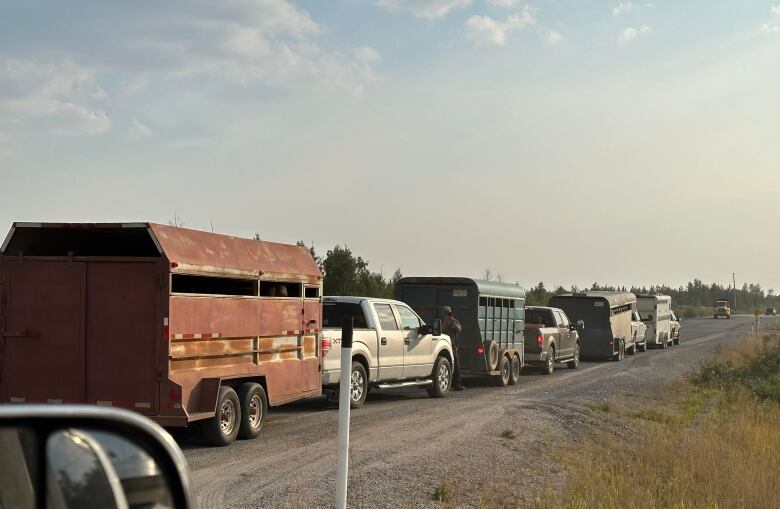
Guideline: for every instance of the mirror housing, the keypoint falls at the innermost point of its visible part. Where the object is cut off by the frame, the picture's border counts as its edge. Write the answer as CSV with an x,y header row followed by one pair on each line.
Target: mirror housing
x,y
436,327
137,461
580,325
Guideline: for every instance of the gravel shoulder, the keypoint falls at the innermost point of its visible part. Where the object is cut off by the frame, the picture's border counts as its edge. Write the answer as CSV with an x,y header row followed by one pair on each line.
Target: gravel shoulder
x,y
403,444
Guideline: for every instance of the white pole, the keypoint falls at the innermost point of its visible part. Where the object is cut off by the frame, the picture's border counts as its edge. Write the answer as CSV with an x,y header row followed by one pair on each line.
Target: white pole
x,y
345,382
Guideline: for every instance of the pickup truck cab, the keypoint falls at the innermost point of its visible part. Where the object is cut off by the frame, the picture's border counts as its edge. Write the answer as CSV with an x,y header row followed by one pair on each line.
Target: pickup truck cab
x,y
391,347
638,332
550,337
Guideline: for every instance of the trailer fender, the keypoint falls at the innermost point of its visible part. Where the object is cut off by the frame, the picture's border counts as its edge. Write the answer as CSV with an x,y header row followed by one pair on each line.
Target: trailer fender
x,y
205,396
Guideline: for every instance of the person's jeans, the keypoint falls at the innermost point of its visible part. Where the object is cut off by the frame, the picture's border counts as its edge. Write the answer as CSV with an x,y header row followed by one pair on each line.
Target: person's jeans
x,y
456,381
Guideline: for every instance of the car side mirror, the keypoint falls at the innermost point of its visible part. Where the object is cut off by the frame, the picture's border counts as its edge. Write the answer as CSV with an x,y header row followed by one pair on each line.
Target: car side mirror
x,y
436,327
580,325
424,330
62,456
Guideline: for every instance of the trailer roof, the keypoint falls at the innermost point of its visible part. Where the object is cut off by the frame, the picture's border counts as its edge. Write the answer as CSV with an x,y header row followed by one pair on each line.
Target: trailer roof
x,y
658,297
188,250
493,288
613,298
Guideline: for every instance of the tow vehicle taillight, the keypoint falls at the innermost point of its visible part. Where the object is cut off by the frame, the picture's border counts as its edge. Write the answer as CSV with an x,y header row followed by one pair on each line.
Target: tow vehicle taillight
x,y
325,346
539,339
480,350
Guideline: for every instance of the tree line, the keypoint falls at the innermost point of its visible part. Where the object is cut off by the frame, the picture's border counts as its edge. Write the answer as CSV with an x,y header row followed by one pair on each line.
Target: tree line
x,y
348,274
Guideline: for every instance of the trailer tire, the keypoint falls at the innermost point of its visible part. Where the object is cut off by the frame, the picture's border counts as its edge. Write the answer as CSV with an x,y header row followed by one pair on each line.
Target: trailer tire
x,y
492,355
505,369
254,408
549,365
676,339
442,378
222,429
358,388
575,362
514,372
621,352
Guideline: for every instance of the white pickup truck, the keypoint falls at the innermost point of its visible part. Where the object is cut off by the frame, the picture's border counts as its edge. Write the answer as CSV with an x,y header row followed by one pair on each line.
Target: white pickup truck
x,y
391,347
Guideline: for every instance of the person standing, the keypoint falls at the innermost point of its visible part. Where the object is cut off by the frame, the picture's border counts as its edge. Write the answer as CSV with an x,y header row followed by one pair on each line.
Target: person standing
x,y
452,327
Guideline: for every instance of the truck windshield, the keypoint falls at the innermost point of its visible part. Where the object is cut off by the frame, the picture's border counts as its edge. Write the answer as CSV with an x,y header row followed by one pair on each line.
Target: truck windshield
x,y
543,317
333,314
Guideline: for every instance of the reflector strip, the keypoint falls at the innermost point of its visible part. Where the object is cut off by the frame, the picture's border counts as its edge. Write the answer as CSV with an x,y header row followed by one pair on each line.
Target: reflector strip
x,y
143,405
103,403
54,401
16,400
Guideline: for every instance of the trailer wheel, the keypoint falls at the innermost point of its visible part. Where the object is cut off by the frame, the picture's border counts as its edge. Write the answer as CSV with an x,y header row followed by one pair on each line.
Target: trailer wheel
x,y
514,373
549,366
358,385
222,429
505,371
676,339
442,378
254,408
575,362
621,351
492,355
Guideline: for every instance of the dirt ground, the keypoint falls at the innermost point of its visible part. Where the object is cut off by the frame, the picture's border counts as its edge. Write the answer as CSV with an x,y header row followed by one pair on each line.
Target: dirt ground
x,y
404,444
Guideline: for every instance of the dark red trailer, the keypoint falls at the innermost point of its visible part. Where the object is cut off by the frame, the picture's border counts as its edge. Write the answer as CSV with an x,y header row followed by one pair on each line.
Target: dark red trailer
x,y
177,324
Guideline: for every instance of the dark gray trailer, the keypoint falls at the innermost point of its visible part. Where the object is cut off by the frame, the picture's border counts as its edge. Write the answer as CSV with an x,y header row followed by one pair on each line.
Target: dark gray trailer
x,y
607,319
492,315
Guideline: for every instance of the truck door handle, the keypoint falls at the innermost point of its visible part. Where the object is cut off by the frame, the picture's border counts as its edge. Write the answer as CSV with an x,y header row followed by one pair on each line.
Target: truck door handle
x,y
383,341
406,340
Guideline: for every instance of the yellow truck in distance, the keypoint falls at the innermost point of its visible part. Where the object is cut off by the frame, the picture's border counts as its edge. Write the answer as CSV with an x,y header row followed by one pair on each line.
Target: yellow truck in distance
x,y
722,308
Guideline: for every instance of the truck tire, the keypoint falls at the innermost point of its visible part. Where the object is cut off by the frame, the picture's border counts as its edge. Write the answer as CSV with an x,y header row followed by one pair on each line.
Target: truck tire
x,y
575,362
676,339
254,408
549,366
442,378
222,429
514,371
643,347
358,385
505,369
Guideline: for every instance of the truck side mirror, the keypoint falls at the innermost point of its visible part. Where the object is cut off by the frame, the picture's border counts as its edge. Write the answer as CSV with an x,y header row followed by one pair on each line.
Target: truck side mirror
x,y
580,325
424,330
436,327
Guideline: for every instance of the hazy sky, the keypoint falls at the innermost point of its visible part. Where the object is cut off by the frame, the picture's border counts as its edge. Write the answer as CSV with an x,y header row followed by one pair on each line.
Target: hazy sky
x,y
563,141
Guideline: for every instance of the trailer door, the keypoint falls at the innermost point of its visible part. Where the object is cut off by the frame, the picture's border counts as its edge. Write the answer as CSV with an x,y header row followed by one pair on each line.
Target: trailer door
x,y
122,335
43,359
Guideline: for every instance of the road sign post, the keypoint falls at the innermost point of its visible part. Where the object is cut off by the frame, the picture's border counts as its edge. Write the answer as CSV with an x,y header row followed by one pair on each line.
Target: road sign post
x,y
757,313
345,383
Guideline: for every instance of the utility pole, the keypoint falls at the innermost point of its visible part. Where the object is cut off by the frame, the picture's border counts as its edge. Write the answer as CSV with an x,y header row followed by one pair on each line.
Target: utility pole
x,y
734,279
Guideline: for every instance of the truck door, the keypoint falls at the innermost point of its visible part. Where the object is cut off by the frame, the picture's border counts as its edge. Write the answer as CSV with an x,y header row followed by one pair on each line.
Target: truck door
x,y
43,358
567,345
418,347
391,344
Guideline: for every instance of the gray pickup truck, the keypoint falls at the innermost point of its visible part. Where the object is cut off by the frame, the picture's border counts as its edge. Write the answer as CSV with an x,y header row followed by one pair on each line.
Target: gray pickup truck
x,y
391,347
550,337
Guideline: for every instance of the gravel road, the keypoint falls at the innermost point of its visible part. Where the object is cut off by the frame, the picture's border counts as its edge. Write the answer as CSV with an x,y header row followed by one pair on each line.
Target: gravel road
x,y
403,443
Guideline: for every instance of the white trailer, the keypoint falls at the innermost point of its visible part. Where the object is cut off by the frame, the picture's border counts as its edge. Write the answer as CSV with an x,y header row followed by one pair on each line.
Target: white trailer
x,y
656,312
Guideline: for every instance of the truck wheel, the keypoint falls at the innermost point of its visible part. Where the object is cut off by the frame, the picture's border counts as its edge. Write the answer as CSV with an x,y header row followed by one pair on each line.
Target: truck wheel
x,y
643,348
514,372
549,366
676,339
358,385
222,429
575,362
442,378
254,408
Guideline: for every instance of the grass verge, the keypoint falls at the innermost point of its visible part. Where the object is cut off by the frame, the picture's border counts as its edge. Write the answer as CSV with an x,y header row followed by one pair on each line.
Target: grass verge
x,y
715,445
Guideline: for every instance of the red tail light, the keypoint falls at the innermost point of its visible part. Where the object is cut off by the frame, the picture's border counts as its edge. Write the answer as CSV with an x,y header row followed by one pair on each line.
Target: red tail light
x,y
175,394
539,339
325,346
480,350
